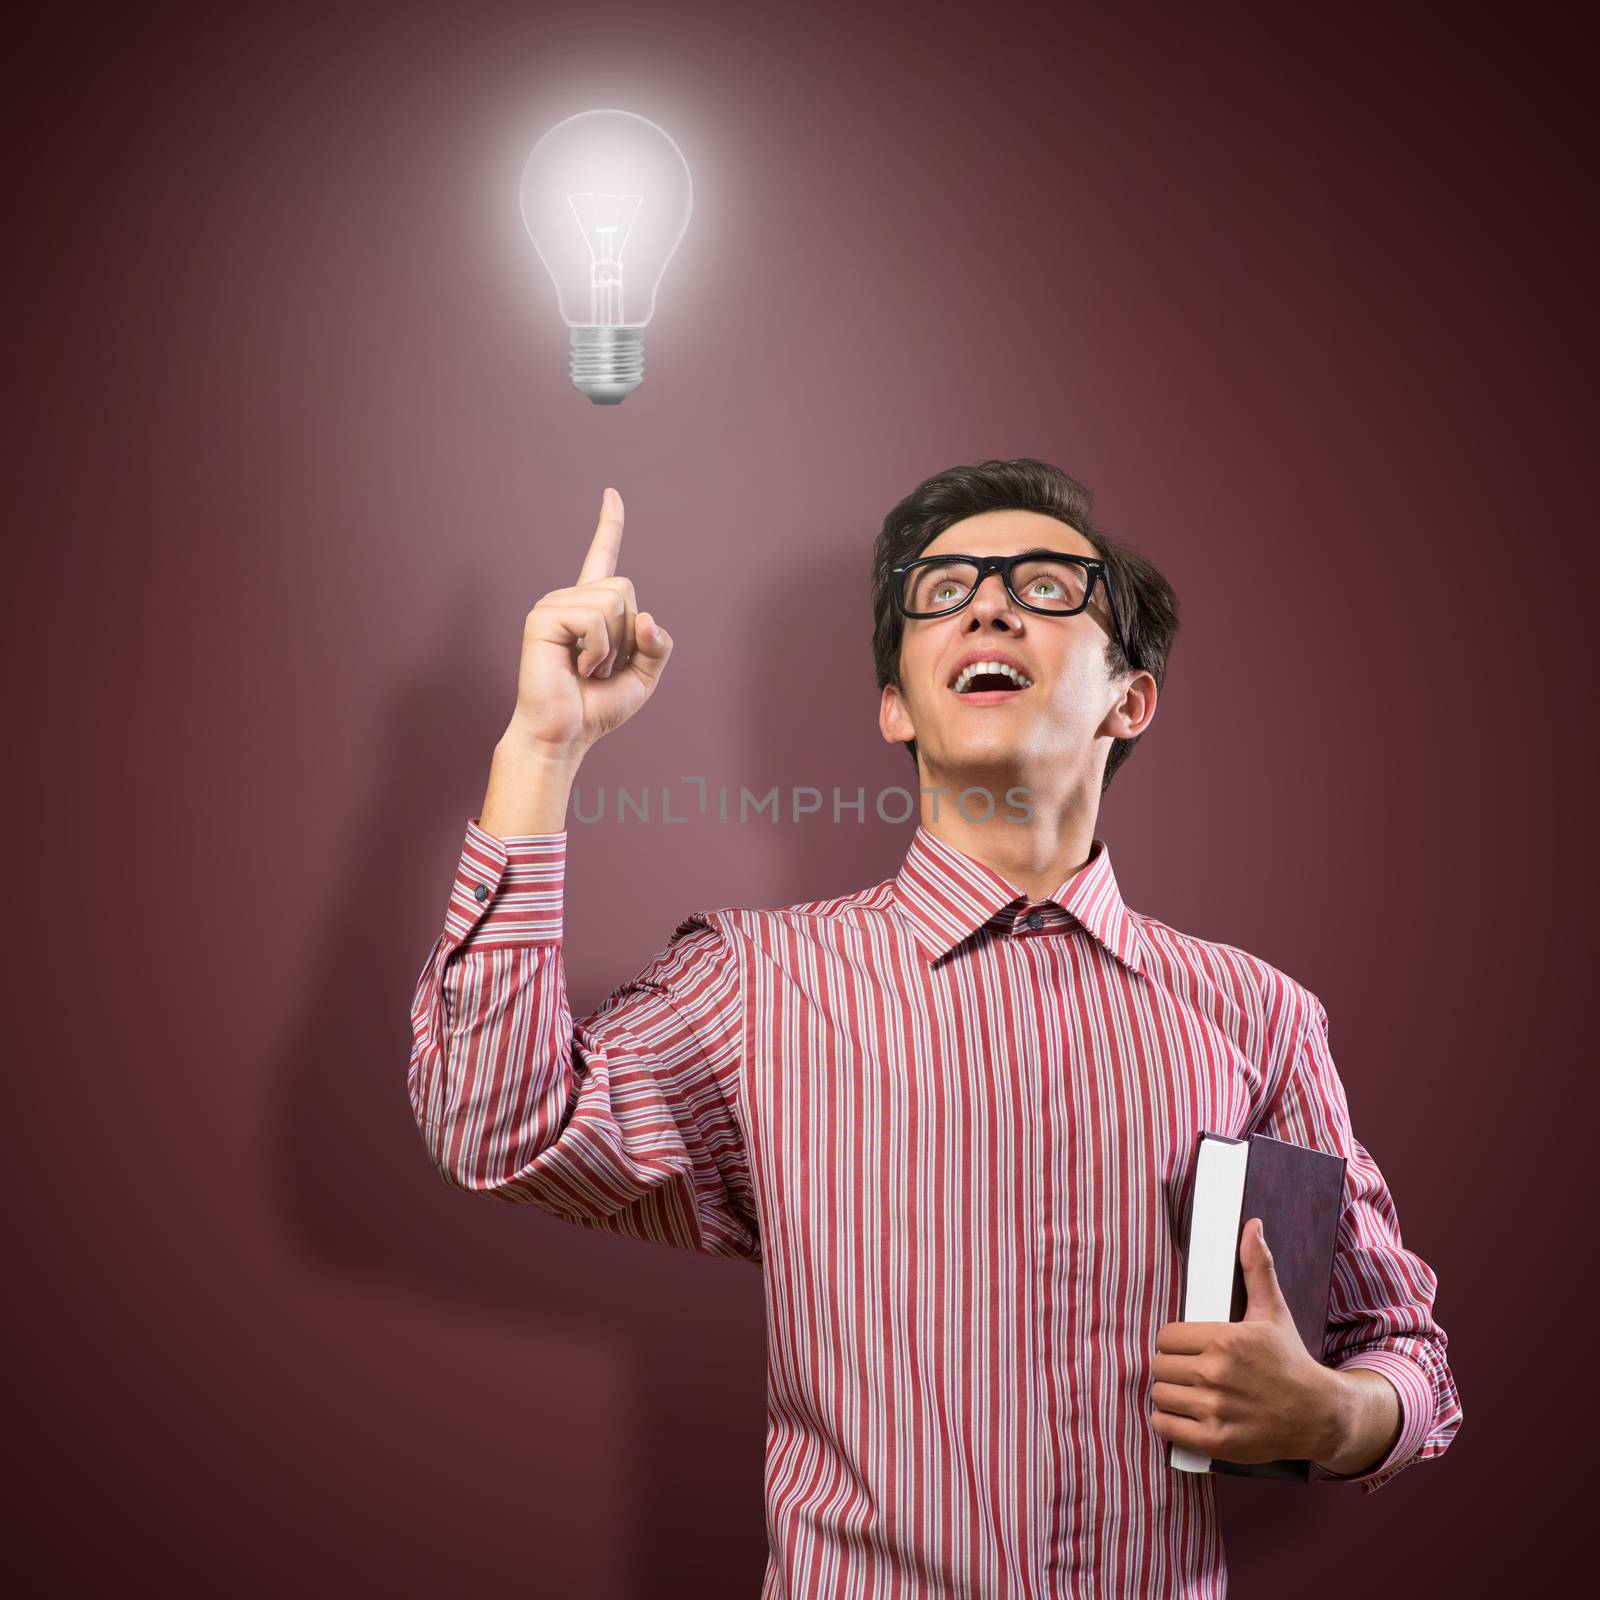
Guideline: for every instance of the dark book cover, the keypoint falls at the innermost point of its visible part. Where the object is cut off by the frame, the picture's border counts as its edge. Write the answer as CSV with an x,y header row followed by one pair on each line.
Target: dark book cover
x,y
1298,1193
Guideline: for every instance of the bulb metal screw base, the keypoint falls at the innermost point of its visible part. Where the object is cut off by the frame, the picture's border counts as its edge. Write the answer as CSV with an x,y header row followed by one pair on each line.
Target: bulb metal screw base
x,y
607,362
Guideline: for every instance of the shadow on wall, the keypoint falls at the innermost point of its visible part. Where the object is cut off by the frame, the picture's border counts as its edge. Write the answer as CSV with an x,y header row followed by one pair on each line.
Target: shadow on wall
x,y
811,721
361,1201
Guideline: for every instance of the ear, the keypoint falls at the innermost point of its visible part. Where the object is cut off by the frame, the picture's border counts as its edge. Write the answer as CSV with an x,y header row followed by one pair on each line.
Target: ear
x,y
893,721
1136,705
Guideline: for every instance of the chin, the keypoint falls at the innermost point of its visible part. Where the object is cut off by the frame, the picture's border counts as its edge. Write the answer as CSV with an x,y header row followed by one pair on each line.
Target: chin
x,y
983,753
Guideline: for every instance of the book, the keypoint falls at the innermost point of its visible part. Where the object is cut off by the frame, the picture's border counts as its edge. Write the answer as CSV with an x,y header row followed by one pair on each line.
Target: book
x,y
1299,1195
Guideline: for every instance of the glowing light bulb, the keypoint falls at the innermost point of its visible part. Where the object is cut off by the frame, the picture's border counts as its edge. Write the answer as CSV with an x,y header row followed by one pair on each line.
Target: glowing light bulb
x,y
606,196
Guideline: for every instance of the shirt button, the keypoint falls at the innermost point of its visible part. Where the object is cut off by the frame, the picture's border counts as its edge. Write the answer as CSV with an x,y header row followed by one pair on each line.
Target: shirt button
x,y
1034,919
481,893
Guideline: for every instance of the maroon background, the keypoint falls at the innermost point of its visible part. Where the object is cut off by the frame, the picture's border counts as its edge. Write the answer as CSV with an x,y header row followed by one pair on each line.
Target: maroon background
x,y
1300,297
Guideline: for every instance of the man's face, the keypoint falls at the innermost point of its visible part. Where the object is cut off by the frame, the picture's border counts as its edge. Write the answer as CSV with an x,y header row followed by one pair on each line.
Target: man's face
x,y
1053,725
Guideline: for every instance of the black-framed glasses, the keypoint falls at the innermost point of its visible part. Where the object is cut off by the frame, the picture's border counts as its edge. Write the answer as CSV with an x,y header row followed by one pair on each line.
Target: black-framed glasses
x,y
1049,582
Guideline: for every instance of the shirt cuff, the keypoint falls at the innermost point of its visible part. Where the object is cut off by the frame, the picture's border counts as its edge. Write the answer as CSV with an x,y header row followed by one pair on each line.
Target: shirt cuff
x,y
507,891
1416,1411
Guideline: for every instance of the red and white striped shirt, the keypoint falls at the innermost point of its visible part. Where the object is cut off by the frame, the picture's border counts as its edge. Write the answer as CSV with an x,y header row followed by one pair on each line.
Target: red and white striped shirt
x,y
955,1127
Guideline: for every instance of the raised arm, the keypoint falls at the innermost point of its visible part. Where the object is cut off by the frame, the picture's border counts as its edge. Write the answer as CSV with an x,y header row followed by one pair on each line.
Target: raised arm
x,y
625,1121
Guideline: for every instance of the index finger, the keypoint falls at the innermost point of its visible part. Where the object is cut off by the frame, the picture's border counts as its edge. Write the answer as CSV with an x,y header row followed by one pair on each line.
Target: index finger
x,y
601,561
1187,1338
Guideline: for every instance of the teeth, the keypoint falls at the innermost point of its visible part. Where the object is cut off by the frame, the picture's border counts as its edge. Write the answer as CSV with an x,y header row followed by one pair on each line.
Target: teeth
x,y
968,672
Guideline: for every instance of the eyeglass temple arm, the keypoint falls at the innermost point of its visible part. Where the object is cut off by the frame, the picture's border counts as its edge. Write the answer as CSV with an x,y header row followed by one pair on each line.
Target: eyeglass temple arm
x,y
1116,617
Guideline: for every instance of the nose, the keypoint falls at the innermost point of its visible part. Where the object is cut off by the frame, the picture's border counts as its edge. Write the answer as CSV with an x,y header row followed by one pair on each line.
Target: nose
x,y
992,602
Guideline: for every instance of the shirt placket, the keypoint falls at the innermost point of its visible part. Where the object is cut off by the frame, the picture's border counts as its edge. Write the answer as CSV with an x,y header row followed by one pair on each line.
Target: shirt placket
x,y
1055,1244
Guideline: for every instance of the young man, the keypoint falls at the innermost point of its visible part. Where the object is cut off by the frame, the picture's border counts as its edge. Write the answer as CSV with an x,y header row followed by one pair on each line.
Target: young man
x,y
953,1115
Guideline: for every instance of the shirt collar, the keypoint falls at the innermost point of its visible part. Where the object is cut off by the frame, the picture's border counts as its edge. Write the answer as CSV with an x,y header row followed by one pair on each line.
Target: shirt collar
x,y
946,896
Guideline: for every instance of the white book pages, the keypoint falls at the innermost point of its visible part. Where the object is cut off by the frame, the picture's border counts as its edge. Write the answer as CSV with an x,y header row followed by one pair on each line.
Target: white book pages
x,y
1213,1249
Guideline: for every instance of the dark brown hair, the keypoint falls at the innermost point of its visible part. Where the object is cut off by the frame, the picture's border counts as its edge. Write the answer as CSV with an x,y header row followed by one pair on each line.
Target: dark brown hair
x,y
1146,602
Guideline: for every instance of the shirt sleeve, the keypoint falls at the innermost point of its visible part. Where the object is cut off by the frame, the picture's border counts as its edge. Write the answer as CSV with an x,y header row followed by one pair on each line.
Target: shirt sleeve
x,y
623,1121
1380,1313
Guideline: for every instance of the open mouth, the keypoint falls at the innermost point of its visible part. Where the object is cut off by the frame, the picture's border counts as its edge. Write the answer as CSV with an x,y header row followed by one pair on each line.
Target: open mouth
x,y
990,681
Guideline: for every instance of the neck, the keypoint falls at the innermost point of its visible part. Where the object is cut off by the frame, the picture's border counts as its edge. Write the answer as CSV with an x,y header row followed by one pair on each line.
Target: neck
x,y
1035,839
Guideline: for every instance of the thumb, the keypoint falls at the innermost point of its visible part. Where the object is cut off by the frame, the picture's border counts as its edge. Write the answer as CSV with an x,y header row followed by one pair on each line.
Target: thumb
x,y
652,645
1263,1297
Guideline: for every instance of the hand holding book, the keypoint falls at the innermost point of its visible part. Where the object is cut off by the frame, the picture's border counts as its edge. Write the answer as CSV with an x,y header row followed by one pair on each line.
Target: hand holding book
x,y
1247,1391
